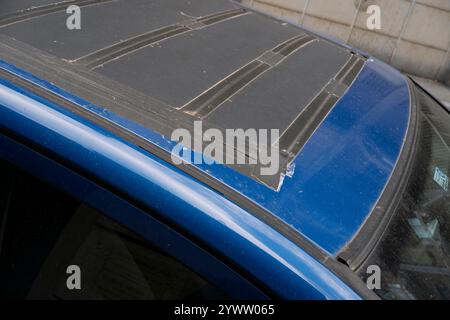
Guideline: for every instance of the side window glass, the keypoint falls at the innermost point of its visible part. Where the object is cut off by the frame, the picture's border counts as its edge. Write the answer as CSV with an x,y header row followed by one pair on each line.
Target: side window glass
x,y
54,247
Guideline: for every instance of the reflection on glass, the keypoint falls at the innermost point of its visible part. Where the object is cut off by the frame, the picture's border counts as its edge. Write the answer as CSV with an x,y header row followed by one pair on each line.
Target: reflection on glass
x,y
413,254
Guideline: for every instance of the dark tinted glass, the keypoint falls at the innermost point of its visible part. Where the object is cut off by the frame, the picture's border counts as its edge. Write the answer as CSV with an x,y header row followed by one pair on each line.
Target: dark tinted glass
x,y
43,231
414,253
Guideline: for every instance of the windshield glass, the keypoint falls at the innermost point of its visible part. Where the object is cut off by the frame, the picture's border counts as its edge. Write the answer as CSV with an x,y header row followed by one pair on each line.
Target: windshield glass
x,y
413,254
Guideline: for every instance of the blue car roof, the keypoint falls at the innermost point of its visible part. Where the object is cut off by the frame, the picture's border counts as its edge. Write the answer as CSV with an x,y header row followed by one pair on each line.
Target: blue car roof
x,y
332,182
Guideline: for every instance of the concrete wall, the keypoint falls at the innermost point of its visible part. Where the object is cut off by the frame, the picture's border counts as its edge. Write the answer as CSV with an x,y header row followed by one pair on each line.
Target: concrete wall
x,y
414,35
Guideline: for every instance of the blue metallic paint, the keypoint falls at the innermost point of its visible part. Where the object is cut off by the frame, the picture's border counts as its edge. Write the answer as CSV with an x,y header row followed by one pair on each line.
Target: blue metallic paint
x,y
141,222
340,173
252,245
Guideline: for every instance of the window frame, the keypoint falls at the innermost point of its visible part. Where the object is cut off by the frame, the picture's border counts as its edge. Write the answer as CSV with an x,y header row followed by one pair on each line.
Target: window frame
x,y
80,143
139,220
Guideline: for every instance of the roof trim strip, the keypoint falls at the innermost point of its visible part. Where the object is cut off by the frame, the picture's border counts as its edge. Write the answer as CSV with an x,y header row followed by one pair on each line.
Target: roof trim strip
x,y
207,102
102,56
302,128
